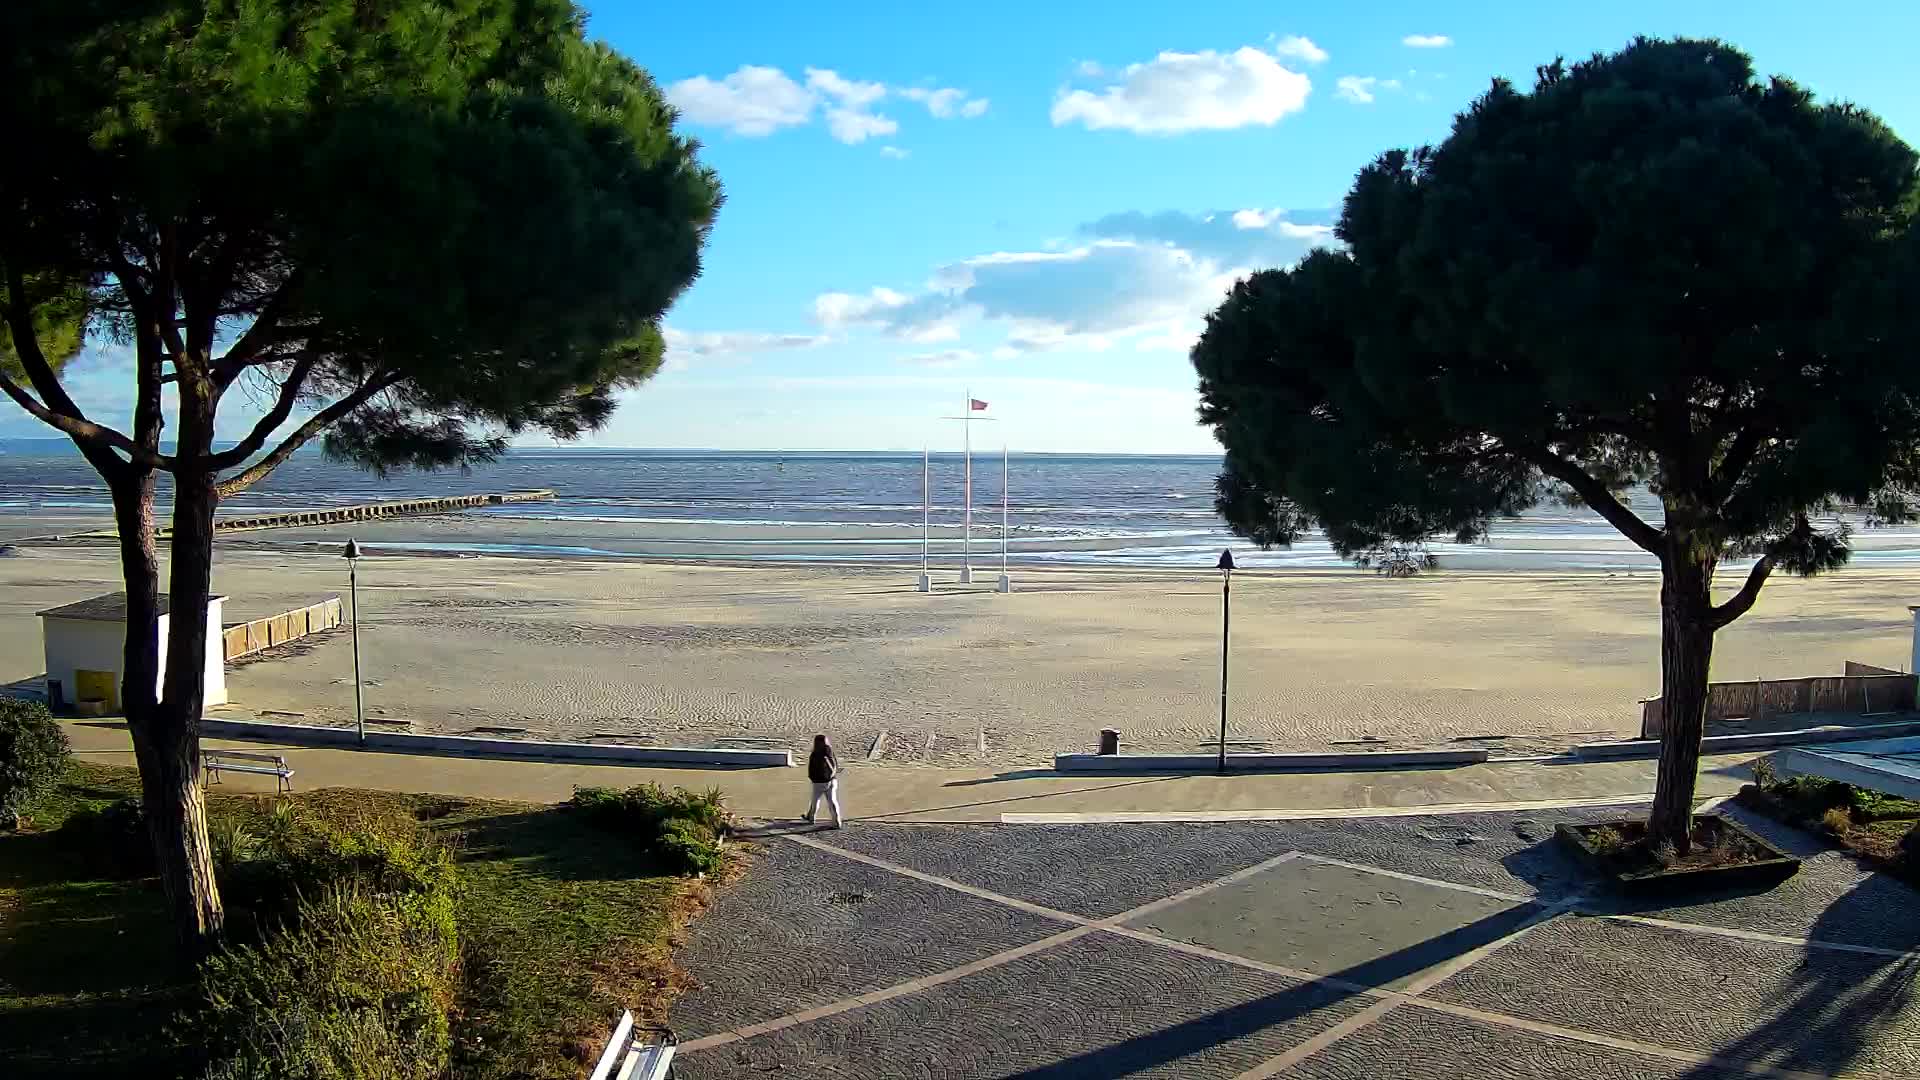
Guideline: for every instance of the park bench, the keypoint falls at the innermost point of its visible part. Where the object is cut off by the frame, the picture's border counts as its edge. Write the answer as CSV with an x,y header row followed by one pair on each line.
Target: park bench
x,y
636,1053
216,762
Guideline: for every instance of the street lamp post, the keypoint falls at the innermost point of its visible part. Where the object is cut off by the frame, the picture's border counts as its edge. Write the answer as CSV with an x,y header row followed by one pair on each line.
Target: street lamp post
x,y
1226,625
352,555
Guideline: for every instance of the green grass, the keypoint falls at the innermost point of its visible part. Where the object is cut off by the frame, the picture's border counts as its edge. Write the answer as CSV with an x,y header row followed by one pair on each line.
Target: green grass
x,y
561,927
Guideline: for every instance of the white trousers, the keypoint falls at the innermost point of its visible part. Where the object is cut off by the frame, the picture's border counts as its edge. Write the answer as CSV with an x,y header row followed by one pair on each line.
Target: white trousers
x,y
830,791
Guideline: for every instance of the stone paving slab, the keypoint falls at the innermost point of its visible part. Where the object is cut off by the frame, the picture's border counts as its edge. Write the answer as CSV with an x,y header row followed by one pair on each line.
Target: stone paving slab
x,y
804,928
1098,1006
1411,1042
1832,897
1121,866
1361,926
1780,1005
1094,871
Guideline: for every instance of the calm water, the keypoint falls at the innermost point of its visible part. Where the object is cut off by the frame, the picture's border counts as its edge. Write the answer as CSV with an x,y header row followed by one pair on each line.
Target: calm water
x,y
1157,509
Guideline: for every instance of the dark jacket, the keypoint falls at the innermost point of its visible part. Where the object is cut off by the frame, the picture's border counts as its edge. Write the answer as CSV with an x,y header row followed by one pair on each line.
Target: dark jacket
x,y
822,765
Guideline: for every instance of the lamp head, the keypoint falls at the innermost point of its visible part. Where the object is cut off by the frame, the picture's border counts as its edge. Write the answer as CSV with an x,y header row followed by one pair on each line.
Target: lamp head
x,y
1226,562
353,550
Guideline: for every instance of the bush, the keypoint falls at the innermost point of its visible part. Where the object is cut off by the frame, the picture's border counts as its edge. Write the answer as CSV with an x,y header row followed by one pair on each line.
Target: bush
x,y
687,847
680,828
112,840
1836,821
33,754
343,957
359,986
264,880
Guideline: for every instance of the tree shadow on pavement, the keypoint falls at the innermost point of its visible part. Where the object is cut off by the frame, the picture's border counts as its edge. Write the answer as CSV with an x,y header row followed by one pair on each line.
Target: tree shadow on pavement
x,y
1828,1018
1173,1044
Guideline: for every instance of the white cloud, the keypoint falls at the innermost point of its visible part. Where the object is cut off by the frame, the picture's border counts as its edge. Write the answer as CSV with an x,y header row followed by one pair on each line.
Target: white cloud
x,y
751,101
849,118
895,152
945,358
1296,47
1426,41
1091,69
945,102
836,309
684,347
1362,89
1180,92
847,92
1355,88
1236,242
1148,279
761,100
1086,296
855,126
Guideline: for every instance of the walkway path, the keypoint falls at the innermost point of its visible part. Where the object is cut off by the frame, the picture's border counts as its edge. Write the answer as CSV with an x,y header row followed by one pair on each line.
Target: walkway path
x,y
905,794
1460,946
1315,926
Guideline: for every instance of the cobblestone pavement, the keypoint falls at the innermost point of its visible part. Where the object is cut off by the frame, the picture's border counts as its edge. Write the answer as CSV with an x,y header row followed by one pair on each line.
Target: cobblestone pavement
x,y
1458,946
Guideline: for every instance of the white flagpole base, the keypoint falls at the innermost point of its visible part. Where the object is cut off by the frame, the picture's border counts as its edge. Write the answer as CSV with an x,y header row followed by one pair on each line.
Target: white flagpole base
x,y
966,575
1005,585
925,583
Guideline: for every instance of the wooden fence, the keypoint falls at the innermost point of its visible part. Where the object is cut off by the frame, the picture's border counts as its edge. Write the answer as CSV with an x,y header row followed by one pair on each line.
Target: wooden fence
x,y
1864,689
241,639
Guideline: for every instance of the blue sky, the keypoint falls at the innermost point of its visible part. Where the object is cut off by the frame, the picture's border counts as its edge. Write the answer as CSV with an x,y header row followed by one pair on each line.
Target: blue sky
x,y
1039,201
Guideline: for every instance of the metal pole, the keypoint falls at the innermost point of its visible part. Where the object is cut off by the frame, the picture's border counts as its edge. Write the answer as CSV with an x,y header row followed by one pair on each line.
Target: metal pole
x,y
1226,625
1003,510
926,509
966,541
353,589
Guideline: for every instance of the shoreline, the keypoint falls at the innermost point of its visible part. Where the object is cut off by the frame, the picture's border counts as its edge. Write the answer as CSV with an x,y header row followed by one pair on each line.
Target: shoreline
x,y
746,653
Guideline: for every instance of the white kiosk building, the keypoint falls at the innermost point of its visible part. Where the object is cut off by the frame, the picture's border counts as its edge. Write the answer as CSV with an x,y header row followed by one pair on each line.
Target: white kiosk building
x,y
85,641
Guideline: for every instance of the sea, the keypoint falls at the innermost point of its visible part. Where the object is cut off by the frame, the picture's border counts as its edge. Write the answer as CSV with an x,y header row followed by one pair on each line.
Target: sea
x,y
1121,510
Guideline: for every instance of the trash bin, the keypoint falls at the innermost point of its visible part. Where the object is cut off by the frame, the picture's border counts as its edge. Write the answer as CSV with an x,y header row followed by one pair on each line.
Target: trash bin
x,y
56,697
1109,741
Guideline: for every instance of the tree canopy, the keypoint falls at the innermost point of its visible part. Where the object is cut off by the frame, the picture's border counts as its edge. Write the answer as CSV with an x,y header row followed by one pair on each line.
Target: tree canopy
x,y
416,226
1651,269
428,225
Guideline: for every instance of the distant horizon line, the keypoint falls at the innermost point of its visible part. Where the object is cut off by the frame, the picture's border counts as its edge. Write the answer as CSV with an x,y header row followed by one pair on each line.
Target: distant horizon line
x,y
62,441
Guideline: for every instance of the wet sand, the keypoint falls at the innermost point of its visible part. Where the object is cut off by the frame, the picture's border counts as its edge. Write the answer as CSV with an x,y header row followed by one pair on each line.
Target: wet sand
x,y
682,653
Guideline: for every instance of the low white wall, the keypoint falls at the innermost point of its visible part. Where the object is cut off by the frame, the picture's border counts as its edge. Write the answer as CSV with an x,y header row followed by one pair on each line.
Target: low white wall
x,y
74,645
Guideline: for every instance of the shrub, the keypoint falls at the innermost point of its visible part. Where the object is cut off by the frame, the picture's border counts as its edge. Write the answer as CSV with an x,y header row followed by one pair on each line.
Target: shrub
x,y
232,843
681,828
111,840
359,985
269,878
33,754
1836,821
687,847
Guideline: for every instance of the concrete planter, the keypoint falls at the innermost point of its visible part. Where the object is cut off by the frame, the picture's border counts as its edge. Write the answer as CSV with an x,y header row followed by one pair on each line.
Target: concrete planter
x,y
1204,763
1771,869
464,746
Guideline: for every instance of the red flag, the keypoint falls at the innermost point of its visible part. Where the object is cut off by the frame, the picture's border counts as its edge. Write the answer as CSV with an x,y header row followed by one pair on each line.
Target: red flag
x,y
976,405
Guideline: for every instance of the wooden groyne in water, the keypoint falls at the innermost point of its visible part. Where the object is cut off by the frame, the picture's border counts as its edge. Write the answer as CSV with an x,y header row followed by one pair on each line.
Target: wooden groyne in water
x,y
371,511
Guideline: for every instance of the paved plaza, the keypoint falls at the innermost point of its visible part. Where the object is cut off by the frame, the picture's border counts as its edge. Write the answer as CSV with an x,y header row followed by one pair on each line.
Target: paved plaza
x,y
1443,946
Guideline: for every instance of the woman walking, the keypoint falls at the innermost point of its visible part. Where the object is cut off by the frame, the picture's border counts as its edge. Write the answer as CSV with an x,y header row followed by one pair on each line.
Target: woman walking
x,y
823,768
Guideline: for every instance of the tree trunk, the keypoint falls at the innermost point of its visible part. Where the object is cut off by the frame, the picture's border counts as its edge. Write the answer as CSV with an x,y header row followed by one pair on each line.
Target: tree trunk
x,y
1686,653
165,745
186,866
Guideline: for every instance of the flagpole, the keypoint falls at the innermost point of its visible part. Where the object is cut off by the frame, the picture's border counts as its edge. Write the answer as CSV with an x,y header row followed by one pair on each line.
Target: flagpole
x,y
926,519
966,535
1005,583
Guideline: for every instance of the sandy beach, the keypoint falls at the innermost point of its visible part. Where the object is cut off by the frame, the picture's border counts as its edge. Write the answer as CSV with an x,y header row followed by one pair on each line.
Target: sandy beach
x,y
685,653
